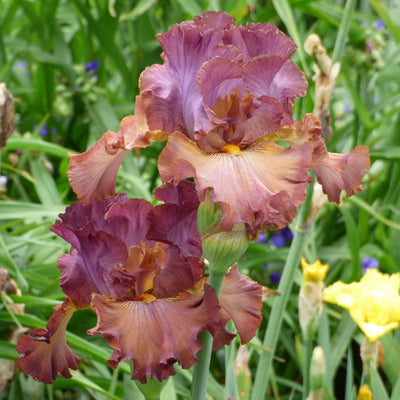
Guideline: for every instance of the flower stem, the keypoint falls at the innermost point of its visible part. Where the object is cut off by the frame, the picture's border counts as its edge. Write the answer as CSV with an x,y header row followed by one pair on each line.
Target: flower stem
x,y
201,369
280,302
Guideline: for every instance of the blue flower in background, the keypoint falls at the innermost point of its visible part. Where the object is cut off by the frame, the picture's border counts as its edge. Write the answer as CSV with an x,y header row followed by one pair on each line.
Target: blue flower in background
x,y
347,108
379,25
282,237
369,263
262,238
275,277
92,66
21,65
43,129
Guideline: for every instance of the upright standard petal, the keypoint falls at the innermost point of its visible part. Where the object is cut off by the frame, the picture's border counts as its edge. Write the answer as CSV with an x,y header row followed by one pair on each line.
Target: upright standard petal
x,y
155,333
175,222
47,354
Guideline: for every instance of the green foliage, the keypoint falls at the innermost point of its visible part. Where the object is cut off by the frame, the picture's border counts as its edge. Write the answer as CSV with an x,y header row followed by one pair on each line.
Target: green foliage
x,y
60,108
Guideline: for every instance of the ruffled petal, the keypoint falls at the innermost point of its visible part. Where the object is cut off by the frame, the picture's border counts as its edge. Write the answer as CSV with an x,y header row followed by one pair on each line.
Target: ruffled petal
x,y
276,77
47,355
241,301
343,172
176,222
172,99
118,216
92,174
155,333
257,39
75,280
261,186
178,274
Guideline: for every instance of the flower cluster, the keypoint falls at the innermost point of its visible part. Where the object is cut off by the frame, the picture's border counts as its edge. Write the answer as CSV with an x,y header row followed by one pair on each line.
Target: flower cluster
x,y
223,101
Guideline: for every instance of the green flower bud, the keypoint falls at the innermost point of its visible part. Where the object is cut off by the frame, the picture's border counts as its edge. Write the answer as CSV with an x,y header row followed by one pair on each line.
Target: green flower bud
x,y
221,249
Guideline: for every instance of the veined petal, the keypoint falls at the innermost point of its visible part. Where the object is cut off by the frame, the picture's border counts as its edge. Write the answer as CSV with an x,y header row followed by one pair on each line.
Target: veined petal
x,y
178,274
256,39
276,77
241,301
261,186
155,334
92,174
218,77
48,355
343,172
176,222
75,281
172,99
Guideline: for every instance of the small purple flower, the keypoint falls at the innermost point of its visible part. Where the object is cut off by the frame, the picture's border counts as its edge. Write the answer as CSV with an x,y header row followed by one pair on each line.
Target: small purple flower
x,y
265,265
282,237
262,238
347,108
92,66
21,65
43,129
275,277
379,25
369,263
287,233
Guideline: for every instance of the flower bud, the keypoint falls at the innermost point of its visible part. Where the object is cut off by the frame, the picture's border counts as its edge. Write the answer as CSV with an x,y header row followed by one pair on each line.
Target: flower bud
x,y
310,297
221,249
317,369
242,371
364,393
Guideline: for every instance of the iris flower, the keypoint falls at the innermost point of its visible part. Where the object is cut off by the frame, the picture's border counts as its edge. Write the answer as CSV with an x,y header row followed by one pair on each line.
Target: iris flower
x,y
138,267
223,99
374,302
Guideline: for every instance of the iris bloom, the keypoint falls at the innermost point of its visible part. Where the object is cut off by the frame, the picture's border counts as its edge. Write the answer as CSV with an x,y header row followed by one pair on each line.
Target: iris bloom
x,y
223,99
138,268
374,302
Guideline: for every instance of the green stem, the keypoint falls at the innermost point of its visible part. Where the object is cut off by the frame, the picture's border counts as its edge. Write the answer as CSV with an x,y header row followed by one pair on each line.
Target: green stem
x,y
200,374
280,302
307,354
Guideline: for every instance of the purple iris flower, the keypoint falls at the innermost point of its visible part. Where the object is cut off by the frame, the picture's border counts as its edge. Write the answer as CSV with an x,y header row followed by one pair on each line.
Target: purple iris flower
x,y
369,263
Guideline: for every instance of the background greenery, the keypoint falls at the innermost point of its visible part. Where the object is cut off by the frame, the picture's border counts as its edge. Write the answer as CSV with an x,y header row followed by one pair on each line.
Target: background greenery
x,y
61,107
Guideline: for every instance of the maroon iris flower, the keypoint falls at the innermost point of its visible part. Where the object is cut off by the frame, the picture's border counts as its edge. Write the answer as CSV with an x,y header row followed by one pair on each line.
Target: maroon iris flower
x,y
138,267
223,99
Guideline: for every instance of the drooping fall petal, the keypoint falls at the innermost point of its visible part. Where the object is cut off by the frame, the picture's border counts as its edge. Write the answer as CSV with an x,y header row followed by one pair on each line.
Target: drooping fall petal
x,y
343,172
46,353
92,174
260,185
155,333
241,301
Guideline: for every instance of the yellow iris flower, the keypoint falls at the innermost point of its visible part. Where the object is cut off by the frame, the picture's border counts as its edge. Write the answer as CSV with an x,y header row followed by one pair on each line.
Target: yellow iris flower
x,y
374,302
